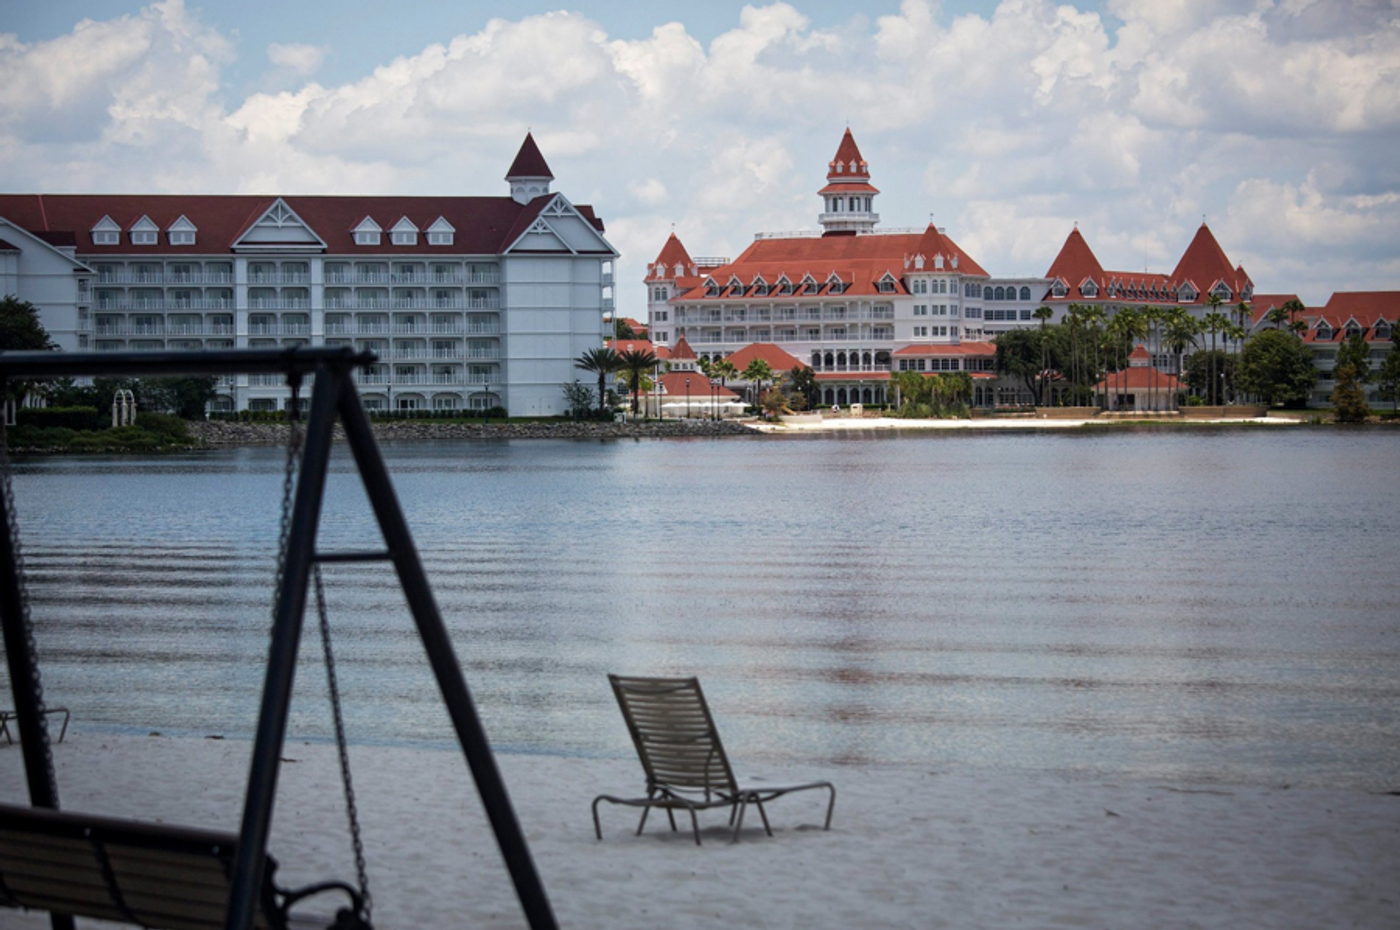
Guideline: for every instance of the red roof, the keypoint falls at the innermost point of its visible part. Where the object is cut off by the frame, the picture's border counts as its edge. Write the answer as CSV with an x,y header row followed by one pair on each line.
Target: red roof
x,y
484,225
1139,379
529,163
777,359
1363,309
673,383
925,350
860,261
847,154
1076,264
1261,304
673,255
627,345
849,187
682,351
1204,265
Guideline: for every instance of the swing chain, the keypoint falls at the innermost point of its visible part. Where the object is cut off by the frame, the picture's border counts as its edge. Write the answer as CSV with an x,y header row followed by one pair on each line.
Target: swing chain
x,y
35,683
295,441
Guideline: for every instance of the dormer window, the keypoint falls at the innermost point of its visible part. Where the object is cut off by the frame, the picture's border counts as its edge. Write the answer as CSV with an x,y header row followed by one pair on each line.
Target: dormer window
x,y
443,232
885,285
1382,329
403,233
784,286
840,167
810,285
368,232
711,288
835,285
1221,291
144,232
736,287
1187,294
181,232
106,232
1323,331
1058,289
1089,289
1352,330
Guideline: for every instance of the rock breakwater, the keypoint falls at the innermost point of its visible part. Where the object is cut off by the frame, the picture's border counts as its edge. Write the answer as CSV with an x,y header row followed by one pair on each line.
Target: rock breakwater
x,y
224,433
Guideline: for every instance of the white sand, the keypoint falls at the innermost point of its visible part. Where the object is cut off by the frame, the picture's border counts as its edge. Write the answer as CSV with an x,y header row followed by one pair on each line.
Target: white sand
x,y
844,424
907,848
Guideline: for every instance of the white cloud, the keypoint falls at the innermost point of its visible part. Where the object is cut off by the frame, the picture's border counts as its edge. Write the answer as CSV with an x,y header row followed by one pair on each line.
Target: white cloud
x,y
1277,119
299,59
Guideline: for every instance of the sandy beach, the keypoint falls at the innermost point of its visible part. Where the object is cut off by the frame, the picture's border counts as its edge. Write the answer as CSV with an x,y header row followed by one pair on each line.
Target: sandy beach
x,y
909,847
850,424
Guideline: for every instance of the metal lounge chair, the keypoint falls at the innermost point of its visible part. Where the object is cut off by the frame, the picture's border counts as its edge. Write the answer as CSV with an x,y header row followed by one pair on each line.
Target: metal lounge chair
x,y
685,764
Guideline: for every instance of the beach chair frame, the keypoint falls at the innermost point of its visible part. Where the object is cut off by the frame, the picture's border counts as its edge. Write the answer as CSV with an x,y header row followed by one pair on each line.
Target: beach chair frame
x,y
686,767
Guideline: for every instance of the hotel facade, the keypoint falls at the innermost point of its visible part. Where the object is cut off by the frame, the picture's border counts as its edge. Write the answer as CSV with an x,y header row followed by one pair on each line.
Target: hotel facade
x,y
469,302
857,303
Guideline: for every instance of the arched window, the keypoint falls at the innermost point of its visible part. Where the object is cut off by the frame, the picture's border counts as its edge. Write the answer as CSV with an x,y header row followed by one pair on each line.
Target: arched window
x,y
999,293
1025,291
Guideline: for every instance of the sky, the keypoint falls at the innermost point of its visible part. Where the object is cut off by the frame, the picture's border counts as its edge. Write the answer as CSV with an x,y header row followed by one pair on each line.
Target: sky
x,y
1275,121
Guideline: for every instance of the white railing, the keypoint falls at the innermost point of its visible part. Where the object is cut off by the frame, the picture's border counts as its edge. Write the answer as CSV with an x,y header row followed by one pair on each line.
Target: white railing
x,y
401,329
279,303
280,277
160,303
279,329
457,278
145,277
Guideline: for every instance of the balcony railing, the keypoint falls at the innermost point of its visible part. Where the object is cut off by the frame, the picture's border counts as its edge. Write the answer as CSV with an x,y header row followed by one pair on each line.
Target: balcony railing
x,y
448,278
161,303
279,329
146,277
279,303
279,277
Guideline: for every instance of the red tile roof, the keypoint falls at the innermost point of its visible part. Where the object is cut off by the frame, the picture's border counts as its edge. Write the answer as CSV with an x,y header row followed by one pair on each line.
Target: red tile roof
x,y
682,351
1204,265
1261,304
484,225
846,153
1140,379
529,163
628,345
777,359
925,350
673,254
1076,264
849,187
673,383
860,261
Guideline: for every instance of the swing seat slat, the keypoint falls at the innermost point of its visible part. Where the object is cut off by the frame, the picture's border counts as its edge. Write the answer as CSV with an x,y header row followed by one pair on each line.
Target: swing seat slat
x,y
153,875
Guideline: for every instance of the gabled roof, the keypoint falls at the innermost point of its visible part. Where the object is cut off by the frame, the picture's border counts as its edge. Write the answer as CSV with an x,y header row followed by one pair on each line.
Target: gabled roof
x,y
1075,265
926,350
673,253
1204,265
776,358
933,244
681,350
484,225
846,153
529,163
701,388
628,345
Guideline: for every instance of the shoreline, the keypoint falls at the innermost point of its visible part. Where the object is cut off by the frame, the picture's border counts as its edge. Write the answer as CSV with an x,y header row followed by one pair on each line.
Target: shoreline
x,y
908,846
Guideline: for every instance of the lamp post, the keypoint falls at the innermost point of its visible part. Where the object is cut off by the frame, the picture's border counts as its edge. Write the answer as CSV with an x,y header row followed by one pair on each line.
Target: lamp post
x,y
714,401
687,398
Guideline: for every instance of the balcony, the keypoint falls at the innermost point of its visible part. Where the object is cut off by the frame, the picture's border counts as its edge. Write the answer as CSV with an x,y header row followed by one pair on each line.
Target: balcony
x,y
409,329
279,303
198,277
280,277
279,329
161,303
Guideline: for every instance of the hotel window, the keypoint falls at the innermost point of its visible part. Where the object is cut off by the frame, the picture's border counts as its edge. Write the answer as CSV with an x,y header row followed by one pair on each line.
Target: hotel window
x,y
921,309
920,331
144,237
106,237
367,237
182,237
440,238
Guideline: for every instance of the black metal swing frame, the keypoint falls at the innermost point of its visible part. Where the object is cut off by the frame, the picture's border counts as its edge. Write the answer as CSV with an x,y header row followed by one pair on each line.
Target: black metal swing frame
x,y
333,394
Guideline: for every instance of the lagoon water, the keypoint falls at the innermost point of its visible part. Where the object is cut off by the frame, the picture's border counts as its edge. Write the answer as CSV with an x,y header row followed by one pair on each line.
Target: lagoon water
x,y
1213,606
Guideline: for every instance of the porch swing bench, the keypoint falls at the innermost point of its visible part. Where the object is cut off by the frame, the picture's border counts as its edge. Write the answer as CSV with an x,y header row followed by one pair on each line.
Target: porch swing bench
x,y
152,875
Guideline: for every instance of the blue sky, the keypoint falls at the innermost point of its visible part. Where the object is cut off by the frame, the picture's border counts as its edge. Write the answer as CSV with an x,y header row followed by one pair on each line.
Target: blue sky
x,y
1008,122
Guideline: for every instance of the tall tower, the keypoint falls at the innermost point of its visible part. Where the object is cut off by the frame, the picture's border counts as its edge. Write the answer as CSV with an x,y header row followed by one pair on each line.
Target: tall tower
x,y
848,198
672,272
528,176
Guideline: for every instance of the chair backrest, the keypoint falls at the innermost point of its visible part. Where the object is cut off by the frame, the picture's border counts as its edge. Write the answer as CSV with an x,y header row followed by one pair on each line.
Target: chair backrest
x,y
674,733
153,875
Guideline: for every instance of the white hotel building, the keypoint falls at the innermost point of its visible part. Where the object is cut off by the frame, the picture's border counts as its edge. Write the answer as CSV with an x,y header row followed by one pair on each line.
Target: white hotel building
x,y
469,302
851,301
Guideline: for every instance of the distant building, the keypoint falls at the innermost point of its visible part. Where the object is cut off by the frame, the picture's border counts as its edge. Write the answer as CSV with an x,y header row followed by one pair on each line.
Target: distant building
x,y
470,302
856,303
849,300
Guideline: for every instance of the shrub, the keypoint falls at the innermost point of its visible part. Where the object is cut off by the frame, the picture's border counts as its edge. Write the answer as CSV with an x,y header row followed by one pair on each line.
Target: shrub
x,y
77,418
166,426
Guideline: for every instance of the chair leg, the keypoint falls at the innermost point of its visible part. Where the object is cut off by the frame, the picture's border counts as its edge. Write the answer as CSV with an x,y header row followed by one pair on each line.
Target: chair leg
x,y
831,806
672,815
695,826
597,827
739,821
645,810
764,814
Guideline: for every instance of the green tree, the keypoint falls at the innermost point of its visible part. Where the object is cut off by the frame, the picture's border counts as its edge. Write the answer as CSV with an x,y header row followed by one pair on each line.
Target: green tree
x,y
773,401
1388,375
1348,400
1018,355
1043,314
622,329
1277,316
601,362
636,364
1356,353
579,397
723,370
756,373
1277,369
1181,332
804,385
21,331
1213,323
185,397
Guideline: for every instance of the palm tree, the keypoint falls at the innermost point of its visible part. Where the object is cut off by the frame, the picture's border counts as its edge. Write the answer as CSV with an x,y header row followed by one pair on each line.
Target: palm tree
x,y
757,372
636,363
1277,316
1181,331
1214,322
1237,333
1072,322
1093,317
723,370
1293,307
1043,314
601,362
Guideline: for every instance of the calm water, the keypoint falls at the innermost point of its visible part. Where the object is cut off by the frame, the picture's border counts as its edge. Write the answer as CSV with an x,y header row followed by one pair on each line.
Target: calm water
x,y
1189,605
